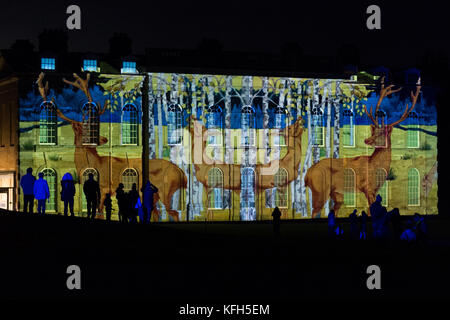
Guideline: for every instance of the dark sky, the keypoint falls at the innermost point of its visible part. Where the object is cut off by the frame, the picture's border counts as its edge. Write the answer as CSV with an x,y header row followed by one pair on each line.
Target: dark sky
x,y
320,27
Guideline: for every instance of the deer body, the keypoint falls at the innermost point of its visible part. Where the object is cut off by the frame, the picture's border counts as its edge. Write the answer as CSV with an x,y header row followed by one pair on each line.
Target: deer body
x,y
326,177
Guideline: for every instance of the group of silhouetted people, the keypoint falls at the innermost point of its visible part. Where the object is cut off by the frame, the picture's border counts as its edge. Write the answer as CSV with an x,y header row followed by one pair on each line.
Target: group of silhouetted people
x,y
415,229
130,206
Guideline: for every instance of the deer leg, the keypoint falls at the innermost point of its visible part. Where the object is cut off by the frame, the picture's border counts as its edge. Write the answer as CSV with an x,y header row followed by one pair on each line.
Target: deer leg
x,y
318,202
338,199
171,212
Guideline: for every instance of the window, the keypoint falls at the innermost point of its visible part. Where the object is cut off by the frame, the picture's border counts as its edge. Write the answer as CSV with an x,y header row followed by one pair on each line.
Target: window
x,y
90,123
349,187
281,191
317,127
279,138
90,65
47,123
413,187
129,124
412,134
48,63
382,185
129,67
129,176
248,126
174,132
84,178
248,188
348,129
50,176
214,125
381,132
215,188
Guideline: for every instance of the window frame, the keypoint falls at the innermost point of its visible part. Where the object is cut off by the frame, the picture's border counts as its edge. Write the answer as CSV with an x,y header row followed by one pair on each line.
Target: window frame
x,y
385,185
178,124
317,113
46,61
45,106
281,131
416,132
52,191
215,174
89,125
136,124
285,187
348,114
353,186
218,110
125,183
248,110
409,187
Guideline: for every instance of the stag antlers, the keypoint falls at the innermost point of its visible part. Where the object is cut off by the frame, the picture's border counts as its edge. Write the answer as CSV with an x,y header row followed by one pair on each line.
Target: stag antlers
x,y
384,93
83,85
43,90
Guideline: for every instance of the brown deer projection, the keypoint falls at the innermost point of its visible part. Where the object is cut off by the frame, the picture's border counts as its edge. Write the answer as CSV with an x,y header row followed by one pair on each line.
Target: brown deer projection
x,y
326,177
166,176
290,161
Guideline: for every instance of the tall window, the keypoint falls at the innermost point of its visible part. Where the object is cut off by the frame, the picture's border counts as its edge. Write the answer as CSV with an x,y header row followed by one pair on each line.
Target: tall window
x,y
84,178
50,176
129,67
47,123
90,65
317,127
413,187
215,188
281,185
214,125
174,132
90,124
348,128
381,133
48,63
349,187
248,126
129,176
248,188
279,139
412,135
129,124
382,185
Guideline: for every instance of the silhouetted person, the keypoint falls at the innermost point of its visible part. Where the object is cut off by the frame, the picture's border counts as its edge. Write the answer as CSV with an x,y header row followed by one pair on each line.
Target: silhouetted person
x,y
107,203
148,194
67,192
363,226
377,215
91,191
41,192
396,223
420,227
133,198
276,216
27,184
121,202
354,234
331,224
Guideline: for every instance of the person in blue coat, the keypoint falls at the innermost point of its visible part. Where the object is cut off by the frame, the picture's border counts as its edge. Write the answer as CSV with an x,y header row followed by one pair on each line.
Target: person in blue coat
x,y
148,193
41,192
67,192
27,184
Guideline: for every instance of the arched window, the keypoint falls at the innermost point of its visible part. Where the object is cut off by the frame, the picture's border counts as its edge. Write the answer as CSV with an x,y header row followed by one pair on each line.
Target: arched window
x,y
50,176
280,121
317,127
349,187
215,188
248,188
214,125
174,132
281,185
129,124
47,123
382,185
348,128
248,126
91,123
130,176
84,178
381,133
412,134
413,187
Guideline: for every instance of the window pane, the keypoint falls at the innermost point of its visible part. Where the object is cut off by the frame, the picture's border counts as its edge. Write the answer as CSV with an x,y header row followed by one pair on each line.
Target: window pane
x,y
349,187
50,176
413,187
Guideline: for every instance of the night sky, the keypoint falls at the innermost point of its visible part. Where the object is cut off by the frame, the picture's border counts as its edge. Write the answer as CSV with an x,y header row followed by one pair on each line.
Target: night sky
x,y
319,27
